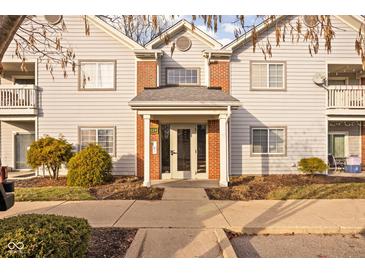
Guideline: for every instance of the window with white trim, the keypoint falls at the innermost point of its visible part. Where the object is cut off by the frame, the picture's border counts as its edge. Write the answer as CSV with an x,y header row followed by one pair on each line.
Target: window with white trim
x,y
97,75
267,75
268,140
182,76
104,137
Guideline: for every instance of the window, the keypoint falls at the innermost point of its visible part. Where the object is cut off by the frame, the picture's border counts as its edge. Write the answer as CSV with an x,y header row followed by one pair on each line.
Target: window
x,y
95,75
267,76
104,137
180,76
268,140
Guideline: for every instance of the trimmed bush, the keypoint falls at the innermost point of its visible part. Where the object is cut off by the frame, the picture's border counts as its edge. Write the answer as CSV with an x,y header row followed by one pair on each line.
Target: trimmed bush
x,y
51,153
90,167
44,236
312,165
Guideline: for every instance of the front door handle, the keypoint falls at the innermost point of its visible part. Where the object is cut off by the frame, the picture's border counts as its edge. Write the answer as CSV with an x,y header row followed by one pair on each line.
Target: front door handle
x,y
172,152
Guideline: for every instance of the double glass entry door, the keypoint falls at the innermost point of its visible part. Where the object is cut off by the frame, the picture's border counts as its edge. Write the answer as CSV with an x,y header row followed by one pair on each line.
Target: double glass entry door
x,y
186,149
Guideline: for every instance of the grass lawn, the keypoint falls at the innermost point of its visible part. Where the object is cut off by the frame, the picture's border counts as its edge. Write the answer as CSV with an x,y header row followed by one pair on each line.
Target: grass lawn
x,y
121,188
283,187
54,193
320,191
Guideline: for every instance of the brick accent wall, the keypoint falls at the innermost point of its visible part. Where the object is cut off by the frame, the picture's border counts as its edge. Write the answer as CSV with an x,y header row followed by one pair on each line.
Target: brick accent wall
x,y
213,147
155,158
146,78
363,145
219,75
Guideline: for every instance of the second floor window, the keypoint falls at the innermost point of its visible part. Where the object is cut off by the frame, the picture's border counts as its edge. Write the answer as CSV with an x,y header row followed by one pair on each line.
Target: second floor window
x,y
97,75
268,76
181,76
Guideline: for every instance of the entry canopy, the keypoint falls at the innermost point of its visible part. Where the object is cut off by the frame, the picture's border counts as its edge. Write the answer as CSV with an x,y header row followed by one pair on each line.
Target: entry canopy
x,y
184,97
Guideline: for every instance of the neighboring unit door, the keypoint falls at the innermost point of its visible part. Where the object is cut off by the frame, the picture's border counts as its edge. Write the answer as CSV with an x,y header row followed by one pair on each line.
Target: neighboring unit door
x,y
22,143
181,151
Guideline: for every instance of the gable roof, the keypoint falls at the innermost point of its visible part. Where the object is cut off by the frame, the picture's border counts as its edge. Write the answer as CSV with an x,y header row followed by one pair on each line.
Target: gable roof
x,y
351,20
113,32
181,25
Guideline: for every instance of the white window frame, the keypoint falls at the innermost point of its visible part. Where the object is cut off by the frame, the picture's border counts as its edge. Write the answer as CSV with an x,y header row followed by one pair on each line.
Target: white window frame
x,y
81,62
268,141
97,136
183,84
346,134
283,88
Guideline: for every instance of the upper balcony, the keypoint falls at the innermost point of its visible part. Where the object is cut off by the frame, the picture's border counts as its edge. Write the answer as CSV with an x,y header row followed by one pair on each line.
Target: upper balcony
x,y
345,89
18,92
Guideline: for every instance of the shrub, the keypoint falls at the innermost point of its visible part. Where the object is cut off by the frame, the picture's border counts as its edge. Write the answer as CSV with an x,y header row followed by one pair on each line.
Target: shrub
x,y
90,167
51,153
44,236
312,165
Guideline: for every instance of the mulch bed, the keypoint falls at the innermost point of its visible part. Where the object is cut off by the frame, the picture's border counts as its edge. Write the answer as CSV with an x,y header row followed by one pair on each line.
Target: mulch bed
x,y
120,188
110,242
258,187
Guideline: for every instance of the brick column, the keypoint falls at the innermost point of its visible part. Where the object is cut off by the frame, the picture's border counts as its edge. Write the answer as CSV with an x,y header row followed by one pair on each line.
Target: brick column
x,y
155,173
213,147
146,78
363,145
219,75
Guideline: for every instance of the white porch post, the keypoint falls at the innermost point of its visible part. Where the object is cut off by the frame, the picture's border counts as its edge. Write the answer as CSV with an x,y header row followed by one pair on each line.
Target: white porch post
x,y
146,147
223,178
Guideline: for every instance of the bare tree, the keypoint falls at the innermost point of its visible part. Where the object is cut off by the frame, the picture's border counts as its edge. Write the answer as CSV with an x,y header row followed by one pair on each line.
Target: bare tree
x,y
45,40
140,28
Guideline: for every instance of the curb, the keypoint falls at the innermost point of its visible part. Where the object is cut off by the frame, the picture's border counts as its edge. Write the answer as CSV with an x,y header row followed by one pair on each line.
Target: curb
x,y
135,249
298,230
225,244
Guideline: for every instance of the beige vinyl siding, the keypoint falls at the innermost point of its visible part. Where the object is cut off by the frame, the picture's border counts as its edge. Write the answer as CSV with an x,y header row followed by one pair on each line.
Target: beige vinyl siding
x,y
8,129
301,108
192,58
63,108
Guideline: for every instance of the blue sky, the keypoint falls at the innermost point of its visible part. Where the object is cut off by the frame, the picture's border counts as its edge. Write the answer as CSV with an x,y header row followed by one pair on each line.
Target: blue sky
x,y
225,33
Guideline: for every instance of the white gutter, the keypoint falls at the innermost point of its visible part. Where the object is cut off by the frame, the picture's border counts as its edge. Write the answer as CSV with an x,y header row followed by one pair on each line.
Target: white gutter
x,y
185,104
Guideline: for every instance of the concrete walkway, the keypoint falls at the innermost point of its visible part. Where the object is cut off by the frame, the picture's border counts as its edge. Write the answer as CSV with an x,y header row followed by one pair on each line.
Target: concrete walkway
x,y
274,217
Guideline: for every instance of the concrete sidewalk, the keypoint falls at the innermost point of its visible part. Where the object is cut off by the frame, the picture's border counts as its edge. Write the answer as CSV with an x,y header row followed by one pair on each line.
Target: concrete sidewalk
x,y
260,217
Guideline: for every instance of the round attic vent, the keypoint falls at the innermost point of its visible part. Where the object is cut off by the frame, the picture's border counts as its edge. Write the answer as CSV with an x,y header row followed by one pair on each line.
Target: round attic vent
x,y
183,43
310,20
53,19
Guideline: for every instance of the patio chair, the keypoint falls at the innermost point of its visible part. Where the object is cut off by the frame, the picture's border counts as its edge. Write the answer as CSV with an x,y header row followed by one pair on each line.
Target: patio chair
x,y
335,164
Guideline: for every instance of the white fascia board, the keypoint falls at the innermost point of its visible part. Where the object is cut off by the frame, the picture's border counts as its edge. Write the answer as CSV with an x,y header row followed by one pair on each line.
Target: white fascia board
x,y
184,24
113,32
184,104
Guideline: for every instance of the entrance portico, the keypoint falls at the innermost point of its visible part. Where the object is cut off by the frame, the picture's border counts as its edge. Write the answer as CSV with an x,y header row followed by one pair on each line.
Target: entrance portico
x,y
185,139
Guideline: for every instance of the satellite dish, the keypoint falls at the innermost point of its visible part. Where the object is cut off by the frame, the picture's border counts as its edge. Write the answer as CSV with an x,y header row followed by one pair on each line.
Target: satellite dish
x,y
53,19
310,20
319,78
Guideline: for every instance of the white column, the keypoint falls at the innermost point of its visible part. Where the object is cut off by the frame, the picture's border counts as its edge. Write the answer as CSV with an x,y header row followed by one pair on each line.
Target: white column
x,y
146,148
223,177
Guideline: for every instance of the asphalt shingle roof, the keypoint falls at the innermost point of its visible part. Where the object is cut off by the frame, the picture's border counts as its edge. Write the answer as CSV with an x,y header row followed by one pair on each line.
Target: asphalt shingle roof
x,y
184,94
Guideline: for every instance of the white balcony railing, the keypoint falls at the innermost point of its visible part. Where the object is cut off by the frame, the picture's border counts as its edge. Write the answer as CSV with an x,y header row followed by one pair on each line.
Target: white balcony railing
x,y
18,97
346,97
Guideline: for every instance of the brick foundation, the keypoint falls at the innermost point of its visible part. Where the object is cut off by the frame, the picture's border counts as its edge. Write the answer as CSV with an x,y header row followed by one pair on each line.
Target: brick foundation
x,y
219,75
213,147
146,78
